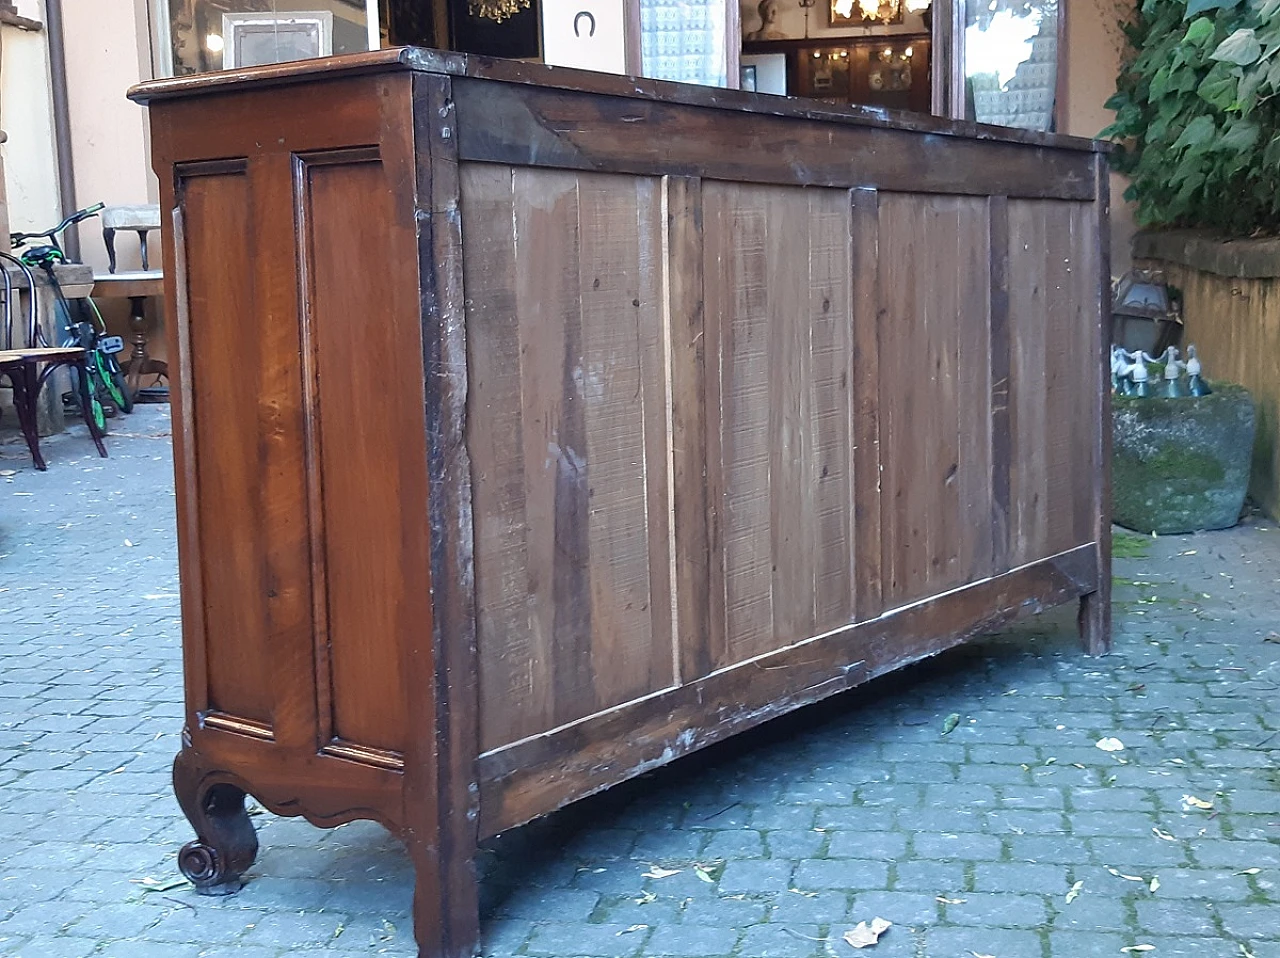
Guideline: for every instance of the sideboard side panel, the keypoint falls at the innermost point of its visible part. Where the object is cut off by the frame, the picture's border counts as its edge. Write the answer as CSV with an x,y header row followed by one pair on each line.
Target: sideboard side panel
x,y
217,208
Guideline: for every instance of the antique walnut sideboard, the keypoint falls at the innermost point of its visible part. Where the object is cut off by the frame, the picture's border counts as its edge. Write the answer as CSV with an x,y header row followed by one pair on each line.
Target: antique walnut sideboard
x,y
534,428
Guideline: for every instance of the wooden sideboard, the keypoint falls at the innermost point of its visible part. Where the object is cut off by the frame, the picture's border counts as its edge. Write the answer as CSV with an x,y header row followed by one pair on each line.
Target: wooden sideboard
x,y
534,428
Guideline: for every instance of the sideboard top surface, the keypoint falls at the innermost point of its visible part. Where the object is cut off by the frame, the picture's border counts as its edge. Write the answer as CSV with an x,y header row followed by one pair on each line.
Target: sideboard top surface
x,y
422,60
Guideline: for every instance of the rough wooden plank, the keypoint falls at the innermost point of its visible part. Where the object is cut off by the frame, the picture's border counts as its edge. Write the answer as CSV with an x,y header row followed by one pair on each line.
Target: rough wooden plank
x,y
527,779
513,666
1095,607
688,349
530,125
998,245
865,411
549,311
1028,421
1065,484
789,479
745,423
621,379
830,423
973,343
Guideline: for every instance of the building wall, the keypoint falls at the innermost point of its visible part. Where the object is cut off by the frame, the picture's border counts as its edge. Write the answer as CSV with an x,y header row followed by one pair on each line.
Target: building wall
x,y
1095,44
26,113
108,50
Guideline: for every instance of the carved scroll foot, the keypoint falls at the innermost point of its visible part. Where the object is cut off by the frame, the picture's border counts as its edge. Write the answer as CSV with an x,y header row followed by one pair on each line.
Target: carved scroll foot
x,y
226,844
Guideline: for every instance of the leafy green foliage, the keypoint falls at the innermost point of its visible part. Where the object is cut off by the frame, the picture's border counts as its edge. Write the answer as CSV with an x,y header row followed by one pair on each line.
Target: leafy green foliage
x,y
1197,109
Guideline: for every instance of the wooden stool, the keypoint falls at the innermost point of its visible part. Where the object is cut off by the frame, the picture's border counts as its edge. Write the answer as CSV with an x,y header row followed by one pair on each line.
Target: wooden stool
x,y
136,286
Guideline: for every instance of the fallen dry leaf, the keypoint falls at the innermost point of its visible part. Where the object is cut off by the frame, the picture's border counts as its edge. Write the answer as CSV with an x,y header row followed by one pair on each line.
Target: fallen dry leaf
x,y
627,931
1155,884
951,901
978,954
1192,802
657,871
1075,892
1249,871
1272,637
864,935
1110,744
949,725
1132,948
1162,834
1127,877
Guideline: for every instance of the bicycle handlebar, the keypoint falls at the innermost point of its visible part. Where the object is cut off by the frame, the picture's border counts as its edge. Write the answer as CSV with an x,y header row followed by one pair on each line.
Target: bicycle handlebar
x,y
18,239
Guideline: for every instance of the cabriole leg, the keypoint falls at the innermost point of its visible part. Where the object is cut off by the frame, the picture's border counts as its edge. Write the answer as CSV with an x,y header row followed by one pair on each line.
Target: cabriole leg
x,y
226,844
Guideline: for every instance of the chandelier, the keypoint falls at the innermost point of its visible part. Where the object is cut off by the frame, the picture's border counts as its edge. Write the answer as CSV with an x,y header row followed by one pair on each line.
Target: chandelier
x,y
496,10
878,11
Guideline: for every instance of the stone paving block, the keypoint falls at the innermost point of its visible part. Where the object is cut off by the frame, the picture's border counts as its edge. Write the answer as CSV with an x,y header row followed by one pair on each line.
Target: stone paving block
x,y
954,942
542,904
1094,910
938,878
962,846
693,941
843,873
795,843
1238,855
997,911
902,908
294,928
558,939
756,876
1251,921
1216,947
62,946
736,911
1085,944
1044,879
872,845
799,905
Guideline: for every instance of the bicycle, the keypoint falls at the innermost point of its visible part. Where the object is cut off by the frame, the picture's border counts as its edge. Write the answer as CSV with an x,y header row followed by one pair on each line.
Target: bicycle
x,y
106,382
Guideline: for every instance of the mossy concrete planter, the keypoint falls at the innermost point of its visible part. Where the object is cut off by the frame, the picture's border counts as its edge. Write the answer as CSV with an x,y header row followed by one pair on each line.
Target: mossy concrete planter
x,y
1181,465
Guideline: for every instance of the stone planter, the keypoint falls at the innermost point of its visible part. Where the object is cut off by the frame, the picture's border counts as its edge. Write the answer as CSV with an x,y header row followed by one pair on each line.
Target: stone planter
x,y
1181,465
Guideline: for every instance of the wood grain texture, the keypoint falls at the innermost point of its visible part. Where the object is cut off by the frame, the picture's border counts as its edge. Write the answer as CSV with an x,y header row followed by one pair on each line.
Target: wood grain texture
x,y
782,409
693,549
1053,415
573,568
864,371
564,129
516,72
935,395
526,779
228,502
366,503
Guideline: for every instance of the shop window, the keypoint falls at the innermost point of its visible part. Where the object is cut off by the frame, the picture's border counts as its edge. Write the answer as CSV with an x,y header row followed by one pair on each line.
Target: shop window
x,y
1011,62
203,35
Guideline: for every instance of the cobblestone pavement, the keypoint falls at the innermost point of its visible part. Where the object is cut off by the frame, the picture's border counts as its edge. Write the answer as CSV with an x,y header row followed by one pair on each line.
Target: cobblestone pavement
x,y
1013,836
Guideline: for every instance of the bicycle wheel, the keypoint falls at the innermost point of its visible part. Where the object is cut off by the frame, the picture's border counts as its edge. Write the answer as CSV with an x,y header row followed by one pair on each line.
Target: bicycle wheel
x,y
113,379
99,396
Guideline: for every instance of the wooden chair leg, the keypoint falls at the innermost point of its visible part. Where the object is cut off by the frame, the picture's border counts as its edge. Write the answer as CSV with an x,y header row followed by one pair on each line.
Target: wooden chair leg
x,y
25,390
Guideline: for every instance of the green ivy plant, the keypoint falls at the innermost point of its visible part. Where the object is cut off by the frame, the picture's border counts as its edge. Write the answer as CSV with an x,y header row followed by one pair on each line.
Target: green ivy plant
x,y
1197,110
